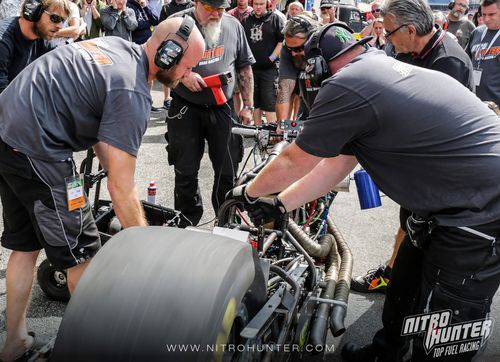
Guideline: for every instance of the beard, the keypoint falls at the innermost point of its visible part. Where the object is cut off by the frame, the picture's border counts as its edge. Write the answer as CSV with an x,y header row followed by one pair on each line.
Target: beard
x,y
299,61
212,31
457,14
165,77
40,33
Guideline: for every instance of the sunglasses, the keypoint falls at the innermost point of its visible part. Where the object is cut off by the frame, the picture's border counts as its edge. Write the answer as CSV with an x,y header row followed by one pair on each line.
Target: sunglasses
x,y
297,49
376,11
56,19
387,35
210,8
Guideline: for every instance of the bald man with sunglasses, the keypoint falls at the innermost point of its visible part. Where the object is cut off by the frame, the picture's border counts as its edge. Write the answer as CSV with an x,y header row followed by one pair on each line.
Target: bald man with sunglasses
x,y
23,38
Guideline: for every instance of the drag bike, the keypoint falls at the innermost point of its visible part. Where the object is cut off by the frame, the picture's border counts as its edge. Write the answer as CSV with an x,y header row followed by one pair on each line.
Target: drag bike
x,y
238,292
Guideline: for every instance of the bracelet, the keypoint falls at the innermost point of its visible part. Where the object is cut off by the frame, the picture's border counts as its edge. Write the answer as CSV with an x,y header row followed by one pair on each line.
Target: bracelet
x,y
250,108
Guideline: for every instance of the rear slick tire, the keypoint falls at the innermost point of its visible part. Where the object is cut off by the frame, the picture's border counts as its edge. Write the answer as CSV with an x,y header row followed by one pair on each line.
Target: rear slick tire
x,y
156,294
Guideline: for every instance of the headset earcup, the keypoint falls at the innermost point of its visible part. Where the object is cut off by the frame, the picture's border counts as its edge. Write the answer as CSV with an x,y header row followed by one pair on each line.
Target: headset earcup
x,y
451,5
32,10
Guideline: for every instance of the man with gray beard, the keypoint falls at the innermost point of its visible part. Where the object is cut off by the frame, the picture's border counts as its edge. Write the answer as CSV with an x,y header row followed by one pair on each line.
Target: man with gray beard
x,y
195,115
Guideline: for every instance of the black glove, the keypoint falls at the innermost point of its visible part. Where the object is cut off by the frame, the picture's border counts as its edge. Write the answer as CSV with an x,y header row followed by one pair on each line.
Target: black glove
x,y
239,193
266,209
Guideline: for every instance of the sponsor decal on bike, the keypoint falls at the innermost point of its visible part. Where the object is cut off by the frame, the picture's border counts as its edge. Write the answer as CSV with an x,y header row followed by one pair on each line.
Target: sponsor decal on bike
x,y
445,339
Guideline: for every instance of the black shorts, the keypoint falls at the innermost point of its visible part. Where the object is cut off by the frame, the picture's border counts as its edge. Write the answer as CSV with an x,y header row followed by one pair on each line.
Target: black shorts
x,y
265,89
35,210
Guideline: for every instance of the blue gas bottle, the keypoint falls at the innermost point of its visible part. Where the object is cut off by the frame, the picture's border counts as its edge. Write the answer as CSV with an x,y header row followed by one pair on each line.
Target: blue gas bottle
x,y
368,194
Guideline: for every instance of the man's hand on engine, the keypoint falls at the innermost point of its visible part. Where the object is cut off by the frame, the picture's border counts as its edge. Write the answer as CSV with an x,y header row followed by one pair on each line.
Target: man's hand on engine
x,y
239,193
266,209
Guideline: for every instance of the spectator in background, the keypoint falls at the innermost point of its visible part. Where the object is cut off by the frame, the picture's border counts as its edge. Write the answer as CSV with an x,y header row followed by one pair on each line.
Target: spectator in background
x,y
24,39
90,12
174,6
9,8
241,11
484,50
378,40
273,7
263,30
156,6
327,11
477,19
376,14
72,28
118,20
292,78
146,20
458,24
295,8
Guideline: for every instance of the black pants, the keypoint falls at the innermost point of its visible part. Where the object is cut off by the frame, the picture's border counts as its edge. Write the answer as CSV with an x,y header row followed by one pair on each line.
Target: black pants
x,y
458,271
188,127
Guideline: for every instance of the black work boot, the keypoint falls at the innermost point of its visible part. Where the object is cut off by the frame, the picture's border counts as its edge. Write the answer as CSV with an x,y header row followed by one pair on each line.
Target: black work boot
x,y
352,352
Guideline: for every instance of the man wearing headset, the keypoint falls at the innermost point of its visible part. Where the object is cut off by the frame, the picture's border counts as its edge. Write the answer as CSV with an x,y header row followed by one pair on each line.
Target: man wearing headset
x,y
458,24
196,116
25,38
292,79
44,205
450,258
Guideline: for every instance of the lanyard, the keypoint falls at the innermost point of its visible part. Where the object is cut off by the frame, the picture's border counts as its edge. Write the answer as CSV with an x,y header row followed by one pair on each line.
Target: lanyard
x,y
433,45
489,46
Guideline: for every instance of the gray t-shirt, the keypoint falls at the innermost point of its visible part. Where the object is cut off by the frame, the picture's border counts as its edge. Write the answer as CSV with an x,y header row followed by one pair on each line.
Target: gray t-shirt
x,y
231,53
75,96
426,140
486,58
462,29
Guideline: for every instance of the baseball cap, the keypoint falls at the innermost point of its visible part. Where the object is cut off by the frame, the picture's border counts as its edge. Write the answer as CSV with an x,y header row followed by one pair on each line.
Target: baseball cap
x,y
334,41
326,4
217,3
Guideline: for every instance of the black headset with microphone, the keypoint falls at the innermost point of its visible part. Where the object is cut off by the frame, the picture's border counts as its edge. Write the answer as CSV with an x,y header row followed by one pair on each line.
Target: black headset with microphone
x,y
170,52
317,66
32,10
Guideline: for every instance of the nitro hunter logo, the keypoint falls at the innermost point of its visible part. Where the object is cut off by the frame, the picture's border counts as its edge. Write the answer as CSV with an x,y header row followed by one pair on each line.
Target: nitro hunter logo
x,y
444,338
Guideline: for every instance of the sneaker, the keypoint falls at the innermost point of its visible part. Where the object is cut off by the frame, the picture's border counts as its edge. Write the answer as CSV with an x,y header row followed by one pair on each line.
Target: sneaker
x,y
155,109
352,352
167,103
375,280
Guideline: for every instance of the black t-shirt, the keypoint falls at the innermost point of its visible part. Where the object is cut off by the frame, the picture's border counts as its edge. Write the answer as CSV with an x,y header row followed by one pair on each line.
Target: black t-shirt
x,y
443,54
428,142
263,34
16,52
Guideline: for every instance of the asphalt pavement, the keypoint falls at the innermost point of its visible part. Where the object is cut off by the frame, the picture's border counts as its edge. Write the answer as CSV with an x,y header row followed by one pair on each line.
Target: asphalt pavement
x,y
369,233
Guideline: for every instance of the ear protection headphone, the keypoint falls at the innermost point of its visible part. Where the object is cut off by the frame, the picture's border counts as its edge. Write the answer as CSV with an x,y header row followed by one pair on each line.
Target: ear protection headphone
x,y
317,66
170,52
32,10
451,5
268,4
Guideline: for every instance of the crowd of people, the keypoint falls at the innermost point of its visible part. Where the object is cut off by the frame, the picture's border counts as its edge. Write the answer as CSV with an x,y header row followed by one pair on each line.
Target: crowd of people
x,y
428,80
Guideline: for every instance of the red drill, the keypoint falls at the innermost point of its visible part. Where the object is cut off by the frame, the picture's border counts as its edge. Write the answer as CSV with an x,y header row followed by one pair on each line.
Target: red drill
x,y
216,82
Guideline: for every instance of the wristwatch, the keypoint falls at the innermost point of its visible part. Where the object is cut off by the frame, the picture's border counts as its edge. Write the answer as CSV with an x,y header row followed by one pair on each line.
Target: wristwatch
x,y
250,108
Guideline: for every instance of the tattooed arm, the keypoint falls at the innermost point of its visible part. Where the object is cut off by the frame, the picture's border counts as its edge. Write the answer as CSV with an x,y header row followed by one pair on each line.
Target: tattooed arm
x,y
245,77
283,100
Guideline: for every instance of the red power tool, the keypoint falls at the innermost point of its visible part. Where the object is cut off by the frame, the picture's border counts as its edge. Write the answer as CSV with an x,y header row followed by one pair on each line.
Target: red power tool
x,y
216,82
